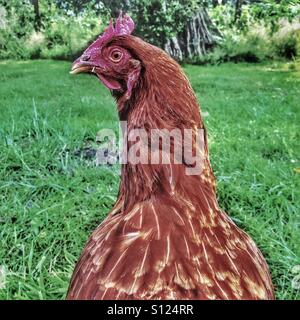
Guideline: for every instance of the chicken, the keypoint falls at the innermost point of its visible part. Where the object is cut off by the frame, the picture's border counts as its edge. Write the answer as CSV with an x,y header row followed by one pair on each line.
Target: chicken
x,y
166,237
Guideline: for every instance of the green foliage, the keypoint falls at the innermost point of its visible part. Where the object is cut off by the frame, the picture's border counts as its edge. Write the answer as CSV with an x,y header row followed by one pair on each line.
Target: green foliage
x,y
68,26
67,36
159,20
253,47
156,20
62,36
15,25
266,30
51,200
268,13
272,11
79,6
287,46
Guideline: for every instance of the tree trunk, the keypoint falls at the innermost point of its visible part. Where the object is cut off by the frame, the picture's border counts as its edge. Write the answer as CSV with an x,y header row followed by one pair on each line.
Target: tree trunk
x,y
238,10
198,38
37,16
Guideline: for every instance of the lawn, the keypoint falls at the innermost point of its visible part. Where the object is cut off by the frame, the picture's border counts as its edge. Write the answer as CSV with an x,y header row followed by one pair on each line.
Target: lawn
x,y
51,198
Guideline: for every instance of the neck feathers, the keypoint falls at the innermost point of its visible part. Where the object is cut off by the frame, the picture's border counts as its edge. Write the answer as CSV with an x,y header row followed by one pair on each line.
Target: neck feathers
x,y
163,96
162,99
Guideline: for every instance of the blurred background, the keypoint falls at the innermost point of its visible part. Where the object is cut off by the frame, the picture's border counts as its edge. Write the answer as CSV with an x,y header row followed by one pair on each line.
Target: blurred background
x,y
242,58
190,30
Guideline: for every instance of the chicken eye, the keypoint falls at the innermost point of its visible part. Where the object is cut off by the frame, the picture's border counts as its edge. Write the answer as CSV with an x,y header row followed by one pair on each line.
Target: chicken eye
x,y
116,55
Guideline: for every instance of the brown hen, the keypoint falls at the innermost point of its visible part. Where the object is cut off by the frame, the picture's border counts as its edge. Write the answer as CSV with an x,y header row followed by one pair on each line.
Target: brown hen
x,y
166,237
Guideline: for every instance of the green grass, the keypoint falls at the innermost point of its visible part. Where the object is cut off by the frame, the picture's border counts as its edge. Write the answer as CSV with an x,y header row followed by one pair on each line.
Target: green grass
x,y
50,200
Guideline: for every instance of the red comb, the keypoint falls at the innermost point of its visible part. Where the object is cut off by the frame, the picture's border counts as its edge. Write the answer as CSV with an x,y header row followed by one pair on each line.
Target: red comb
x,y
124,26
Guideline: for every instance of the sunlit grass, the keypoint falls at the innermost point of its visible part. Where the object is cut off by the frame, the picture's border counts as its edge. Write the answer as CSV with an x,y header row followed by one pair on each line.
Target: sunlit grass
x,y
51,200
